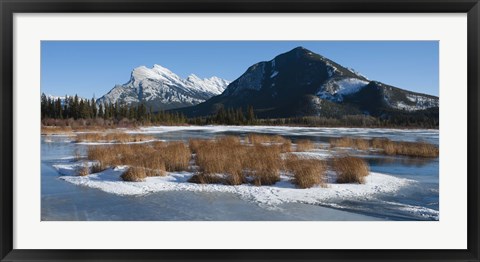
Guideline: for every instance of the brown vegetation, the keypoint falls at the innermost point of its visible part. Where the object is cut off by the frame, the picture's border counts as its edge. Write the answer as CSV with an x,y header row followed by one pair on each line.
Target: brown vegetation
x,y
134,174
84,171
206,179
283,143
221,156
304,145
96,168
175,155
263,164
139,155
56,130
356,143
413,149
261,139
350,169
118,137
225,160
240,163
307,172
388,147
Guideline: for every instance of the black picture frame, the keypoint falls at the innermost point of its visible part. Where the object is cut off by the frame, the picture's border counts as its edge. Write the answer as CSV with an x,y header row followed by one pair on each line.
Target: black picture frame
x,y
10,7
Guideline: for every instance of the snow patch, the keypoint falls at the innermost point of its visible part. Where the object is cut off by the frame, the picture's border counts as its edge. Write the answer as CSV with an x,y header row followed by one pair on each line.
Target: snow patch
x,y
335,89
282,192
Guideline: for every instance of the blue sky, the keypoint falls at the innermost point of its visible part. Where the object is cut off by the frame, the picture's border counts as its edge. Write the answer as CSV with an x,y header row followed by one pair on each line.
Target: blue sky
x,y
90,68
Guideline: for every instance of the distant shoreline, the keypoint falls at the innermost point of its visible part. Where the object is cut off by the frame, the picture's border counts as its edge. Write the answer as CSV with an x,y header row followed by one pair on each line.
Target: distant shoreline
x,y
114,126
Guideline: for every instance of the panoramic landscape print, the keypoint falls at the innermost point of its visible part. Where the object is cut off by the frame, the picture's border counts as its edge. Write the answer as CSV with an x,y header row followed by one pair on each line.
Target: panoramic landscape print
x,y
239,131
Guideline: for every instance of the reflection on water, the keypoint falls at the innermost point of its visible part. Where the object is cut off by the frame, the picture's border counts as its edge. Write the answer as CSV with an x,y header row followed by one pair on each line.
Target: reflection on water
x,y
65,201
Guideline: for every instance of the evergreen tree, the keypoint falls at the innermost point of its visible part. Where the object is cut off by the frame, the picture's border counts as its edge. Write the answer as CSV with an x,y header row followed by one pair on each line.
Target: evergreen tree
x,y
250,115
93,105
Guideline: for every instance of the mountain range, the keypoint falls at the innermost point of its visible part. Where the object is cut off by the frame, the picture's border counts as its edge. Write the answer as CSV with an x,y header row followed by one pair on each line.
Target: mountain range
x,y
303,83
162,89
293,84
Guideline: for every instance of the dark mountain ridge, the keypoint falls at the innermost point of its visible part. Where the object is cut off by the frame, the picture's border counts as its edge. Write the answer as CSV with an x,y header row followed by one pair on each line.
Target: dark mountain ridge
x,y
301,83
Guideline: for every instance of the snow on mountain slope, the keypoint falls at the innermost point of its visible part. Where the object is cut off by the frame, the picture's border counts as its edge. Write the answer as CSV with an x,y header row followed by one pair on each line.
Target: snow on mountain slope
x,y
162,89
334,89
213,85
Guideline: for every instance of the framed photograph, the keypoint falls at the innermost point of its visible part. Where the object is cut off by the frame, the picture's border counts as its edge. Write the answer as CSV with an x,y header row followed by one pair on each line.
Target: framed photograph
x,y
261,130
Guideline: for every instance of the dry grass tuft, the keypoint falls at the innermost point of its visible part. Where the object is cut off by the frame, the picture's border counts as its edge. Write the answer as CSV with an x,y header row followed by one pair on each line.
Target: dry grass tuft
x,y
97,168
176,156
272,140
263,164
118,137
286,146
56,130
350,169
412,149
356,143
264,139
83,171
307,172
195,144
388,147
134,174
304,145
238,162
206,179
228,140
221,156
139,155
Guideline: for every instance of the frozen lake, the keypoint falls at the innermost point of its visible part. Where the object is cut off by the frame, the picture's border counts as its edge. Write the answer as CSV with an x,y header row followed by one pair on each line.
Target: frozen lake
x,y
412,185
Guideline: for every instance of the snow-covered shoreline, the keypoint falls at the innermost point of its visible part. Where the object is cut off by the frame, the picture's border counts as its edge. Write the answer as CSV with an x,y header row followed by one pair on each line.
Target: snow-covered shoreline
x,y
282,192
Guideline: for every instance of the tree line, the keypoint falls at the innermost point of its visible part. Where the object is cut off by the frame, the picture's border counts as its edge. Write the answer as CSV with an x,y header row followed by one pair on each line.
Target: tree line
x,y
74,110
73,107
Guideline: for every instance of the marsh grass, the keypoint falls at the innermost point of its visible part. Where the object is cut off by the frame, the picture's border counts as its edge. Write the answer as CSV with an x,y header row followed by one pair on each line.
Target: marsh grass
x,y
304,145
307,172
355,143
136,156
223,160
84,170
223,155
263,164
263,139
257,163
195,144
56,130
134,174
283,143
118,137
388,147
412,149
176,156
206,179
97,168
350,169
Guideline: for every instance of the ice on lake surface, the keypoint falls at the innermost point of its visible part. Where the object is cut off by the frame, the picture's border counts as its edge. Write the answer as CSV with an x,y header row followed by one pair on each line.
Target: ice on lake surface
x,y
399,188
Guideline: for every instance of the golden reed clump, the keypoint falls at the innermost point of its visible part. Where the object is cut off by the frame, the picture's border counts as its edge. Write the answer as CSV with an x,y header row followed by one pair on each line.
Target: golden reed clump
x,y
307,172
118,137
350,169
388,147
304,145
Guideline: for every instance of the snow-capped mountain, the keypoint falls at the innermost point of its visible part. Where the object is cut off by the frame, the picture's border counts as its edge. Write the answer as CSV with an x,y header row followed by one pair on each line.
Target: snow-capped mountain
x,y
63,99
162,89
300,82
